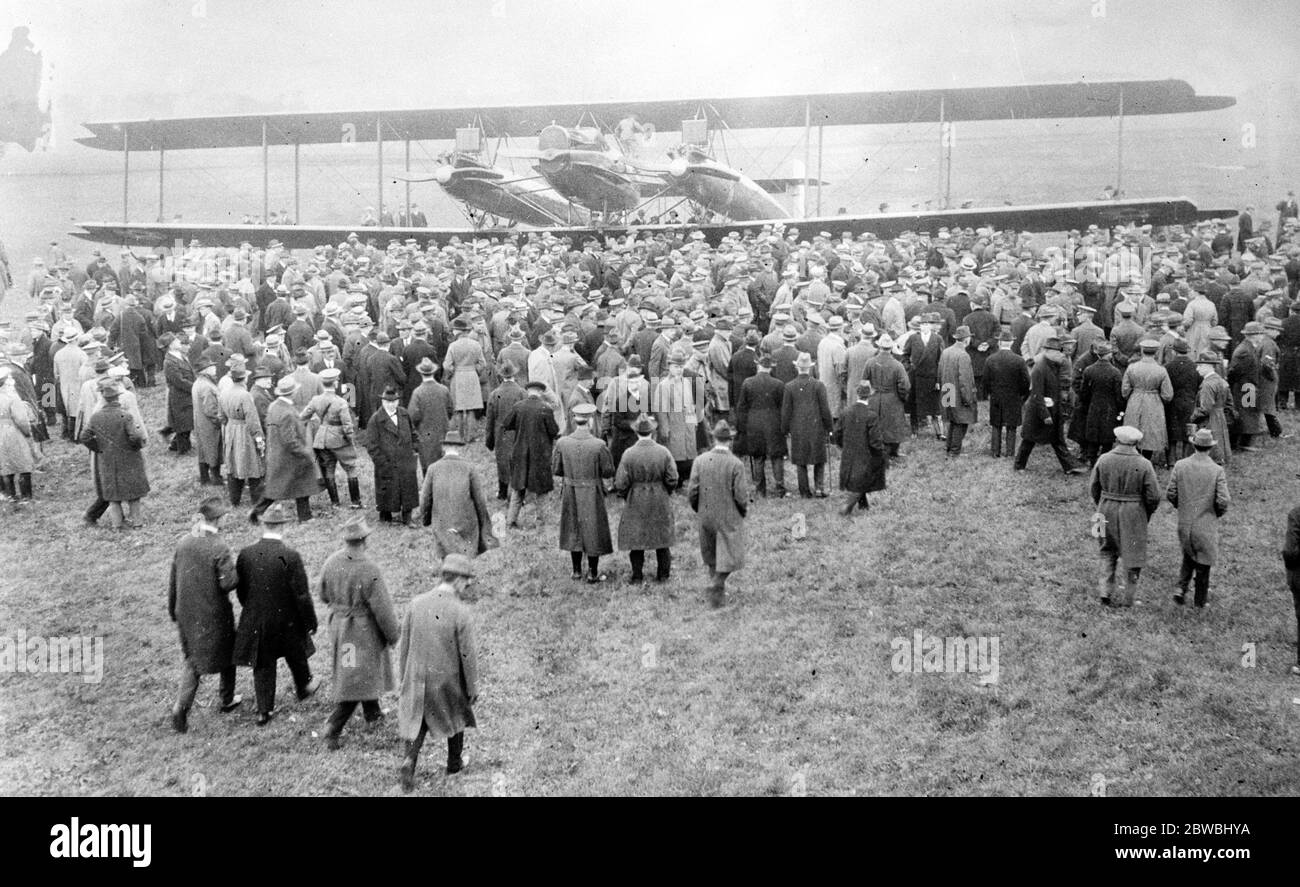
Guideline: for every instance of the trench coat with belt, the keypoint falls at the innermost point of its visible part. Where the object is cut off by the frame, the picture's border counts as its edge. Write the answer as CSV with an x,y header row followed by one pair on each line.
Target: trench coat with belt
x,y
1126,491
362,624
437,666
583,460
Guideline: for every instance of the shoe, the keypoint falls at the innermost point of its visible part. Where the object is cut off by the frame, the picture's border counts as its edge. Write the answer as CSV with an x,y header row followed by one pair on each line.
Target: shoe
x,y
309,691
577,576
635,579
406,775
1105,602
264,718
663,578
232,704
1078,469
180,720
821,494
332,742
1178,598
458,766
597,578
717,598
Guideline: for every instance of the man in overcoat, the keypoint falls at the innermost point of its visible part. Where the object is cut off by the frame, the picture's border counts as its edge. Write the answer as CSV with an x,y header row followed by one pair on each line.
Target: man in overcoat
x,y
1291,560
198,601
806,418
390,438
892,387
438,669
1244,378
533,422
1198,488
758,427
583,460
334,440
277,618
1041,421
453,503
115,437
206,413
291,471
362,625
430,409
1101,400
1126,492
180,379
645,478
957,392
719,495
863,457
243,439
500,403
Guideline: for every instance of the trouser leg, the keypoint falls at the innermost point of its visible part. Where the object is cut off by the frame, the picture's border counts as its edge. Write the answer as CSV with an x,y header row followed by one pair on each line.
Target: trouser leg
x,y
801,472
663,563
1132,576
189,686
758,475
301,672
819,477
1063,454
516,502
1022,454
850,503
778,474
182,441
259,508
338,718
227,685
995,442
1274,426
593,566
683,471
371,711
96,511
354,491
264,689
1202,584
1109,565
115,516
637,559
304,508
455,752
204,477
503,490
576,557
25,485
1185,571
235,487
956,434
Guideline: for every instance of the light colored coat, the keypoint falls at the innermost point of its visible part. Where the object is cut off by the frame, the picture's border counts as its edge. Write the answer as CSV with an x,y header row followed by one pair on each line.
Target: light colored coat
x,y
362,626
832,369
646,475
679,409
207,420
1147,387
16,453
242,432
719,494
957,378
438,666
461,368
583,461
1126,491
1198,487
453,504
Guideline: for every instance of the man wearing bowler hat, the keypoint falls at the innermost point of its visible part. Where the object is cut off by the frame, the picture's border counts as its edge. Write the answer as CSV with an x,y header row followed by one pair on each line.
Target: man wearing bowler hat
x,y
533,422
1126,492
806,418
452,501
957,392
291,470
198,601
438,668
1198,488
277,619
363,625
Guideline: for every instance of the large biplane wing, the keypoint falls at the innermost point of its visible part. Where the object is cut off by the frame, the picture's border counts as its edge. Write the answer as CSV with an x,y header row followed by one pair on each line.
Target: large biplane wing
x,y
1040,217
1039,100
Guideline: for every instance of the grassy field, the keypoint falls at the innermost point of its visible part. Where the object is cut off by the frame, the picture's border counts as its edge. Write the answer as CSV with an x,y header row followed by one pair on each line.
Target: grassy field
x,y
788,690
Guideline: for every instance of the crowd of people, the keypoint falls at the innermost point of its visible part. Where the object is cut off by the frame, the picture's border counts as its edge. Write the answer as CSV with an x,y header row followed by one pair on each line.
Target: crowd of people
x,y
647,363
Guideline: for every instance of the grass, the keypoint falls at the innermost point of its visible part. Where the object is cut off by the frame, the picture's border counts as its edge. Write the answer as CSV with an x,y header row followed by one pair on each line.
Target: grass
x,y
787,690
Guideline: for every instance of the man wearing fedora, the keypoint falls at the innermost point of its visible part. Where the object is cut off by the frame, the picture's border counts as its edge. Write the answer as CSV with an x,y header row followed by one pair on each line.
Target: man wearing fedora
x,y
334,440
584,462
390,438
180,378
958,392
243,437
758,427
1198,488
277,618
1041,421
430,408
362,626
501,442
864,457
291,471
438,669
645,478
921,359
719,495
206,403
806,419
1127,494
453,503
116,439
1245,370
626,397
198,600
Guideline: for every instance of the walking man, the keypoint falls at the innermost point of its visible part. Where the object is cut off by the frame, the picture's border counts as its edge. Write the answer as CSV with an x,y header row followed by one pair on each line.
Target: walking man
x,y
453,503
1198,488
645,478
583,460
1126,492
719,494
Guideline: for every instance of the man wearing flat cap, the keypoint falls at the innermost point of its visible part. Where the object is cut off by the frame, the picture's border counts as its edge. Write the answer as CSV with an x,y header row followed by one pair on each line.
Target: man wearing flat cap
x,y
453,503
719,495
1127,494
277,618
583,461
362,626
1198,488
438,668
198,601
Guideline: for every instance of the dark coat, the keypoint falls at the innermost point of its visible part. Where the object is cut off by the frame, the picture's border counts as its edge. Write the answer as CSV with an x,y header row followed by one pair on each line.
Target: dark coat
x,y
411,355
291,471
381,370
863,460
533,423
1186,382
116,439
1288,344
922,362
1101,400
198,601
785,357
984,330
1039,421
1244,378
892,386
452,502
959,398
437,665
744,363
583,461
501,442
393,447
180,403
1006,379
132,335
646,475
430,409
758,418
277,617
806,417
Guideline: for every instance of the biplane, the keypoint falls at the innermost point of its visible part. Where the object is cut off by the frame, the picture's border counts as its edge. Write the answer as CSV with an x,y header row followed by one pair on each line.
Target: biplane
x,y
593,172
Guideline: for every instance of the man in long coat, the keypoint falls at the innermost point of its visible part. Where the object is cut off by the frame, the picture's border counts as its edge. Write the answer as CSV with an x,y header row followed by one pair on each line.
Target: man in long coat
x,y
645,478
533,422
758,427
243,439
889,380
1213,404
863,458
1041,420
438,667
206,411
806,418
453,503
1198,488
462,368
921,358
363,625
679,407
68,362
277,617
500,403
1101,400
133,336
957,389
1186,382
583,460
180,378
1291,560
430,409
198,601
291,471
114,435
1244,378
626,397
391,441
1147,389
719,495
1126,492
